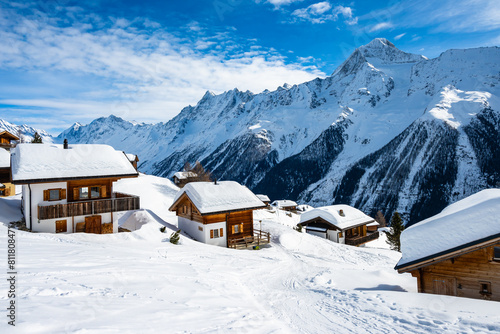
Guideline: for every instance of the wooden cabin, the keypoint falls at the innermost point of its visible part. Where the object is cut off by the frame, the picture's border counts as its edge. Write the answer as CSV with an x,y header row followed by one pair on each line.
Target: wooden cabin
x,y
70,189
340,223
457,252
218,213
134,159
285,204
183,178
264,198
6,139
6,186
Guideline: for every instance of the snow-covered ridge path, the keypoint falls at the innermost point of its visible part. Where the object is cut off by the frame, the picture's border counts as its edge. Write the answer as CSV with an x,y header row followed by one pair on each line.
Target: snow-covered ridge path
x,y
140,283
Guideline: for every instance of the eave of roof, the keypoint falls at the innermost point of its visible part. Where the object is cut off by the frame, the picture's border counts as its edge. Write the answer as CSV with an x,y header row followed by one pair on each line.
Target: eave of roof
x,y
63,179
447,254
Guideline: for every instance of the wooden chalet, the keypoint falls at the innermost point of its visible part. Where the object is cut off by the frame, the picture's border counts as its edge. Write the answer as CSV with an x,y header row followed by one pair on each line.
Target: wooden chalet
x,y
70,189
219,213
6,139
340,223
264,198
134,159
285,204
457,252
183,178
6,186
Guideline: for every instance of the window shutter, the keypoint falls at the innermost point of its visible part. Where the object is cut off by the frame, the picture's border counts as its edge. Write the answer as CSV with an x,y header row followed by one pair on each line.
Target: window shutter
x,y
241,227
211,234
221,232
232,227
103,191
62,194
46,195
7,192
76,194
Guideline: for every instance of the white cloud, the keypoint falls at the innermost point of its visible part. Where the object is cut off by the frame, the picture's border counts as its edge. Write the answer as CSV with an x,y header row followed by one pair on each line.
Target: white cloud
x,y
142,74
381,26
398,37
279,3
442,16
322,12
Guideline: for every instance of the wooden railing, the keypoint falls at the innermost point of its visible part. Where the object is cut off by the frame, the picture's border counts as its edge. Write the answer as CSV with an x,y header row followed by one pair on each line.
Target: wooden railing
x,y
259,238
119,202
356,241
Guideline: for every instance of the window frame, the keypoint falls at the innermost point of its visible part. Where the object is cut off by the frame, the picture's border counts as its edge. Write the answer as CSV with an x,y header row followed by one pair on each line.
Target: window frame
x,y
494,258
485,288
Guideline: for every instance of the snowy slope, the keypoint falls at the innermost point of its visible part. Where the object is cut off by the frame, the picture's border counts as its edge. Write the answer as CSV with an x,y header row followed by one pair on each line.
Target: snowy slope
x,y
388,130
140,283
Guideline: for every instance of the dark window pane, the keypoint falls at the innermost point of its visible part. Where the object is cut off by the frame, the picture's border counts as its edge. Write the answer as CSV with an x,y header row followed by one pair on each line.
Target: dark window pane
x,y
94,192
84,193
54,195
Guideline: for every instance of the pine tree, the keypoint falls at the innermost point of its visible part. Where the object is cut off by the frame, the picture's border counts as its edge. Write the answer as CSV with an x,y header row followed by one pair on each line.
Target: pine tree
x,y
393,237
379,218
36,139
175,236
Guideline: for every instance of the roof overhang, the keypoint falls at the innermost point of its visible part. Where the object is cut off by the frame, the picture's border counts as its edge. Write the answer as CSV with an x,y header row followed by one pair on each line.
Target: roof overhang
x,y
64,179
173,207
335,226
448,254
9,135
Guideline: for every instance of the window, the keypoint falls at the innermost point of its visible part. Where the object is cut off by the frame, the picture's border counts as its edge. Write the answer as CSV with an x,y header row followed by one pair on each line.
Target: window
x,y
340,234
485,288
61,226
496,253
95,192
214,234
238,228
54,194
83,193
200,228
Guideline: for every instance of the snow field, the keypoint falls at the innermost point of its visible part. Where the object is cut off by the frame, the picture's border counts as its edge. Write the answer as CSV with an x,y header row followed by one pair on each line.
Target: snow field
x,y
139,282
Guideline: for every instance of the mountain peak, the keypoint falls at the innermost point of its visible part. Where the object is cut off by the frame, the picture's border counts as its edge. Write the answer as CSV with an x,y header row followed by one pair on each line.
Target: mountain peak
x,y
379,51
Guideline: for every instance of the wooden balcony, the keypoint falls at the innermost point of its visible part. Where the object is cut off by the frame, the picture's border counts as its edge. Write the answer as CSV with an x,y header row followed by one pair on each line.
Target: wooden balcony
x,y
259,238
119,202
356,241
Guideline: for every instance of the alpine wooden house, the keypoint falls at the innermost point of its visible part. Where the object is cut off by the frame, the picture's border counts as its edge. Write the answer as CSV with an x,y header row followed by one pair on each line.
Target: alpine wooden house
x,y
70,188
6,143
183,178
340,223
457,252
219,213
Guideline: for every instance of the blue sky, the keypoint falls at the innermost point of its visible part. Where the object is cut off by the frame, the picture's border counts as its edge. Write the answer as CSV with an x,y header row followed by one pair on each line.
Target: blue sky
x,y
65,61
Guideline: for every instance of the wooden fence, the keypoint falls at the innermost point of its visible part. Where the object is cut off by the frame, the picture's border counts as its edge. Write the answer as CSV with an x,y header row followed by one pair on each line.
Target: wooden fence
x,y
361,240
121,202
259,238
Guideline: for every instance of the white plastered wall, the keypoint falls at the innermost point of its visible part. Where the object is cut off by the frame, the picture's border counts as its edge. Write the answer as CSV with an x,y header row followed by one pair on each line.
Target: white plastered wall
x,y
220,241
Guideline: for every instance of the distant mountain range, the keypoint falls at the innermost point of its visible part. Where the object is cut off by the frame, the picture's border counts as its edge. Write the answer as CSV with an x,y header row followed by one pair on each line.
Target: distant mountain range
x,y
388,130
25,132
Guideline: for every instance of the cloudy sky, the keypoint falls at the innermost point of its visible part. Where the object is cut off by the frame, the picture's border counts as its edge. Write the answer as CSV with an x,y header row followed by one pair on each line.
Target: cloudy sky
x,y
64,61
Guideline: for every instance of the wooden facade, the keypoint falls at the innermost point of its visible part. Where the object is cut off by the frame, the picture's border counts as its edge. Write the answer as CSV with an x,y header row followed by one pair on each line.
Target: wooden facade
x,y
239,224
473,272
6,139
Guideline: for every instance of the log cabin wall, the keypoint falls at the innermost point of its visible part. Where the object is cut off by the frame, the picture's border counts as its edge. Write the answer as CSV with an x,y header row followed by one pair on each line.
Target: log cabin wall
x,y
244,218
472,275
106,191
187,210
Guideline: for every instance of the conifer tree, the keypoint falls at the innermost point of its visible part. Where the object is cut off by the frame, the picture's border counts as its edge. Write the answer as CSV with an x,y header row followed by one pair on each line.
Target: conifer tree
x,y
175,236
393,236
36,139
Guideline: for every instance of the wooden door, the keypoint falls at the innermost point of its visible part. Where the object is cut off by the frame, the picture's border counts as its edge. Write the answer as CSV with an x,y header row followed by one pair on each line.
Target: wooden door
x,y
443,285
93,224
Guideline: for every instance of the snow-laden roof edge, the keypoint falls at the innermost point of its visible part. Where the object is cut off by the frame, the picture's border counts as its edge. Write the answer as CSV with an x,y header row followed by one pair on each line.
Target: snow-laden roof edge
x,y
471,221
223,196
352,217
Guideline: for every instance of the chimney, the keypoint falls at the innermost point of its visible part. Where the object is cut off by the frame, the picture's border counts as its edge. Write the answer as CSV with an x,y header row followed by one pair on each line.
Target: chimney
x,y
341,213
215,181
65,144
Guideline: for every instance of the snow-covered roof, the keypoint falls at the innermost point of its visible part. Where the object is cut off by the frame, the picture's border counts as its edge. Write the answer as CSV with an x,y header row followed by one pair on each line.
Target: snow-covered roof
x,y
131,157
373,224
351,216
2,185
4,158
263,198
45,162
184,175
209,197
283,203
472,219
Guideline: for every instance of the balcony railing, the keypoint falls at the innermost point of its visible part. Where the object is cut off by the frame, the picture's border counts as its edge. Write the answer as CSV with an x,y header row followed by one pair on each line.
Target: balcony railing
x,y
356,241
119,202
259,238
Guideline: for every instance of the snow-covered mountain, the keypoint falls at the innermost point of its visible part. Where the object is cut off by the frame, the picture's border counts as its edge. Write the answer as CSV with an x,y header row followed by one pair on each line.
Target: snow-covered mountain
x,y
388,130
26,132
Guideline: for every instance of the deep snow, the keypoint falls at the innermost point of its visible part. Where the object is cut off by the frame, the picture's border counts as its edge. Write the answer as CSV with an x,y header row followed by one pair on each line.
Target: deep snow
x,y
140,283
